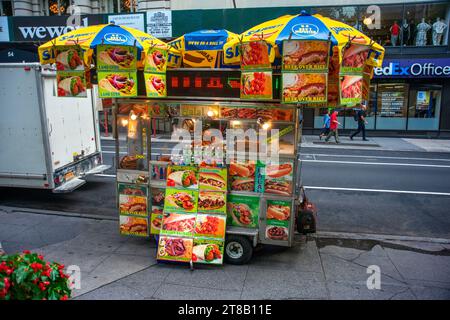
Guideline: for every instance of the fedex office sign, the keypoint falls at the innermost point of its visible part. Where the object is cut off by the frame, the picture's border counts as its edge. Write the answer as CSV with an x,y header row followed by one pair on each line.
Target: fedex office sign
x,y
422,68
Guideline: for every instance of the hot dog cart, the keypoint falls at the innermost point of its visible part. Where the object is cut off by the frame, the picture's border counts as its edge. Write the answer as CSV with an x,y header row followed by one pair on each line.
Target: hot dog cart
x,y
261,206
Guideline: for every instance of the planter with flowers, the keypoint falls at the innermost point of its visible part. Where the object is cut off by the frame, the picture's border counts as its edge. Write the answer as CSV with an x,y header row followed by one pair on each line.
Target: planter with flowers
x,y
28,276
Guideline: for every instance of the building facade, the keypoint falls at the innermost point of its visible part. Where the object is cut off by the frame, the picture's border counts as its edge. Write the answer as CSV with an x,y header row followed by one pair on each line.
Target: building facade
x,y
410,93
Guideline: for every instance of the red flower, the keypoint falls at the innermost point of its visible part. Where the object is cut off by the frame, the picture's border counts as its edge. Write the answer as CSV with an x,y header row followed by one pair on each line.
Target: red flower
x,y
3,293
7,283
42,286
36,266
46,273
26,251
40,257
60,267
65,297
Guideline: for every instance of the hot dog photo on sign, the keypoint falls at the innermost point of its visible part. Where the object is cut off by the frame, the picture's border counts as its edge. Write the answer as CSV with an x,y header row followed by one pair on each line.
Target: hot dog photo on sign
x,y
278,178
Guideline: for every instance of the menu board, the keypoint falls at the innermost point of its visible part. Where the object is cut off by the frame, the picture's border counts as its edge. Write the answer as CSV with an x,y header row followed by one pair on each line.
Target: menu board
x,y
194,216
156,220
299,87
69,58
116,58
308,55
213,179
133,199
351,89
157,205
156,60
354,58
256,85
71,84
133,213
279,178
133,226
255,55
117,84
278,213
391,103
243,211
155,85
182,177
155,72
242,176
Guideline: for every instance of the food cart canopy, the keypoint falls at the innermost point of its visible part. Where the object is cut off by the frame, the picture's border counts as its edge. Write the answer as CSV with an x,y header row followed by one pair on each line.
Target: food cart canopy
x,y
89,37
304,27
203,48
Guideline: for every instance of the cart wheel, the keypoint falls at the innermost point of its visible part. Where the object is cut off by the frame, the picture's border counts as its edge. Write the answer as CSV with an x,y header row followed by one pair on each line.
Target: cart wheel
x,y
238,250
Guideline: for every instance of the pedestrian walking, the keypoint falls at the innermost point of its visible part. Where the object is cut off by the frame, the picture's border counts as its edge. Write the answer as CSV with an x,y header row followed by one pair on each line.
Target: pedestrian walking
x,y
326,125
360,117
334,123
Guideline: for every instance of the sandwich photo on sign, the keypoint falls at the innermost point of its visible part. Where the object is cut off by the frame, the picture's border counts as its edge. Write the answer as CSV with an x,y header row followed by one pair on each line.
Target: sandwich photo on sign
x,y
351,88
156,60
243,211
354,58
177,200
117,84
156,220
71,84
278,214
212,202
69,58
135,226
112,58
182,177
208,251
304,87
132,199
279,178
175,248
155,84
307,55
213,179
178,224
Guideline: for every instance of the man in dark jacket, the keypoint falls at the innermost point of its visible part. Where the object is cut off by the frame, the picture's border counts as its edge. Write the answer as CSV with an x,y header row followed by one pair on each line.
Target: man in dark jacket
x,y
361,118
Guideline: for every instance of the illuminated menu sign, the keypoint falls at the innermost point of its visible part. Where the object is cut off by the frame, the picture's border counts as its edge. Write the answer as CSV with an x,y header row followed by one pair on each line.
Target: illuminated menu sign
x,y
198,83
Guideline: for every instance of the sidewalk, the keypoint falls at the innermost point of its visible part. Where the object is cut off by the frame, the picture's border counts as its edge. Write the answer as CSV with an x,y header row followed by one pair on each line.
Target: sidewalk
x,y
324,267
374,143
379,143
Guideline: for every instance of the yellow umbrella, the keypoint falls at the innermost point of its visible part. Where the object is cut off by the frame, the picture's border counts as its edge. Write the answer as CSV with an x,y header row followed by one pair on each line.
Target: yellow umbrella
x,y
88,38
203,48
305,27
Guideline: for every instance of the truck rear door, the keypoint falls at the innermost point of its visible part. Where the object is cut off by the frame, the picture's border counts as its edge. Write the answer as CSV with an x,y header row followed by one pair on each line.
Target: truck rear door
x,y
71,126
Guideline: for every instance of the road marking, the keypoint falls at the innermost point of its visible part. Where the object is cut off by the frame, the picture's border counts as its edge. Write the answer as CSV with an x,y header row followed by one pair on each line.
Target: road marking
x,y
379,190
105,175
380,163
371,157
113,152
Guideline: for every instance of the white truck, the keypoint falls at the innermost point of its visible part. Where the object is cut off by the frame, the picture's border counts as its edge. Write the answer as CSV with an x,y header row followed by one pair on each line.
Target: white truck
x,y
46,141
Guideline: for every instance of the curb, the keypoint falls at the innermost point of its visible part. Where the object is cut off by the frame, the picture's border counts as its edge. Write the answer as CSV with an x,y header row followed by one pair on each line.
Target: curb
x,y
57,213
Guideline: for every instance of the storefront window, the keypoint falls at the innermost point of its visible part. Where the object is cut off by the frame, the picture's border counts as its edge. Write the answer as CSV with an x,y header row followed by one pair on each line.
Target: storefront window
x,y
392,101
428,24
6,8
348,15
386,31
424,108
349,114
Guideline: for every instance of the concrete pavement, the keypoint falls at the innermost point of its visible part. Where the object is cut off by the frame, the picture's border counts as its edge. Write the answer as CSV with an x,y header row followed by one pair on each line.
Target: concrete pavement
x,y
324,267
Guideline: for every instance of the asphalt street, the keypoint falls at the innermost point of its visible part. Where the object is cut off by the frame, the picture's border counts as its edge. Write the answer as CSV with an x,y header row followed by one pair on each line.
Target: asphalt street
x,y
358,191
